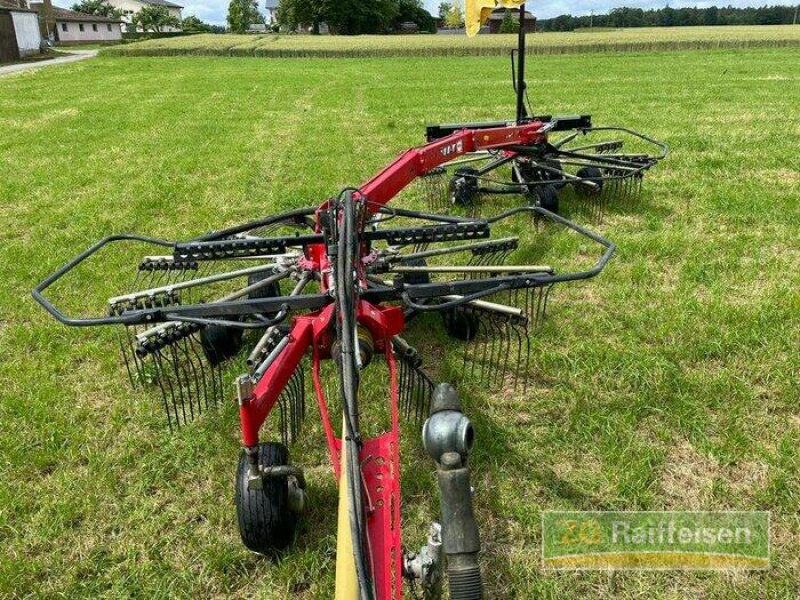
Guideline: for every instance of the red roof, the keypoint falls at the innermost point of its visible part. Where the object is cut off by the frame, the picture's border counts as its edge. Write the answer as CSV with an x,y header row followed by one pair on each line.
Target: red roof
x,y
62,14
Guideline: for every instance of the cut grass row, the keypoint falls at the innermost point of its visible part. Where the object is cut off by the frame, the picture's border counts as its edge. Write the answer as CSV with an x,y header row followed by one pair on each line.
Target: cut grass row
x,y
623,40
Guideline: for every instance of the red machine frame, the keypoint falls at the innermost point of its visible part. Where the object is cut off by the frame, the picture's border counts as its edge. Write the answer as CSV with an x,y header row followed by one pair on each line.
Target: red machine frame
x,y
380,455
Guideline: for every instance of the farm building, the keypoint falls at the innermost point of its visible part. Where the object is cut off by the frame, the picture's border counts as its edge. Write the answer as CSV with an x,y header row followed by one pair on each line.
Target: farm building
x,y
19,31
131,7
498,15
72,27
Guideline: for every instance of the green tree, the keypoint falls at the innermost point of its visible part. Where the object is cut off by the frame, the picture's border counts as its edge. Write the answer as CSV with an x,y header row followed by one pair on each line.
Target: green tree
x,y
413,11
242,14
154,17
508,24
193,24
454,18
302,13
97,7
444,10
352,17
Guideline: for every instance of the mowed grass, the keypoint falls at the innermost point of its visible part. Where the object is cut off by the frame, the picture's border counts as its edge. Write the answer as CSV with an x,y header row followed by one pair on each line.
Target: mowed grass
x,y
620,40
671,382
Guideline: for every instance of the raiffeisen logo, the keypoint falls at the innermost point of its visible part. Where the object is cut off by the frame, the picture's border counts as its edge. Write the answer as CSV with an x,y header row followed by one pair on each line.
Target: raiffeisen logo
x,y
655,540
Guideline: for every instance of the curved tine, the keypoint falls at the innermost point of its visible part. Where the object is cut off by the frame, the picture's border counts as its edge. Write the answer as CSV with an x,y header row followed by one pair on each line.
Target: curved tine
x,y
420,401
282,418
165,383
302,398
192,346
496,350
138,361
546,293
491,337
294,392
181,345
483,345
123,351
506,346
294,428
411,384
518,332
184,388
403,387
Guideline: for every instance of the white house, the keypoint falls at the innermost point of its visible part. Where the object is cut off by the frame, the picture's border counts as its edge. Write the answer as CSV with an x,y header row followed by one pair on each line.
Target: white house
x,y
131,7
79,28
270,11
19,31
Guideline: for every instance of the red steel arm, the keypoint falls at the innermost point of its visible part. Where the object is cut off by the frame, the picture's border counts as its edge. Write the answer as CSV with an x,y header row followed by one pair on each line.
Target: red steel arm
x,y
254,411
419,161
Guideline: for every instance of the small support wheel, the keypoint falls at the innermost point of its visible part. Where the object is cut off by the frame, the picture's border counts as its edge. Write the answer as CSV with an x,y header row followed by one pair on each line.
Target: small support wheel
x,y
416,278
460,324
463,188
589,189
220,343
547,198
266,522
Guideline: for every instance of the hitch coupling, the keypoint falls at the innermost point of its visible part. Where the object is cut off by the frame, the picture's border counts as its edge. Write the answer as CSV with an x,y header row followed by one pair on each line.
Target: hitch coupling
x,y
448,437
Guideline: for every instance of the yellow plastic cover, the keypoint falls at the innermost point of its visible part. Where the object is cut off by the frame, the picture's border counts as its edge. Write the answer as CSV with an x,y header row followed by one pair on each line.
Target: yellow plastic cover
x,y
478,11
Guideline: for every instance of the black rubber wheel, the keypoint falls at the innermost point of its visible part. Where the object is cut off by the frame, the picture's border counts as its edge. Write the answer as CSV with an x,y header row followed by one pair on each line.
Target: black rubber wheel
x,y
416,278
266,524
463,188
221,343
460,324
547,198
585,190
273,290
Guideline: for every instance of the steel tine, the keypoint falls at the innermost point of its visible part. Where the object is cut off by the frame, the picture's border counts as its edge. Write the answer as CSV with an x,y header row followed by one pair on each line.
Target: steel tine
x,y
165,382
198,374
407,385
124,353
180,377
192,346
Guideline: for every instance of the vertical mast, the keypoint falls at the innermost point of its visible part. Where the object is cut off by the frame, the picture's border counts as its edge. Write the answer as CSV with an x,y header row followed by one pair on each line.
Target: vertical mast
x,y
521,113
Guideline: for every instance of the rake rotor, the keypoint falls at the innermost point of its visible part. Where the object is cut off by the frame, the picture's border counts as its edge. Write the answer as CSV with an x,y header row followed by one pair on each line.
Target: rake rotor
x,y
595,166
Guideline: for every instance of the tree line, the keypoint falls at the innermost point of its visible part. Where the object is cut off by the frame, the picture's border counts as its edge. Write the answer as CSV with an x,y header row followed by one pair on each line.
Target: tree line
x,y
673,17
353,17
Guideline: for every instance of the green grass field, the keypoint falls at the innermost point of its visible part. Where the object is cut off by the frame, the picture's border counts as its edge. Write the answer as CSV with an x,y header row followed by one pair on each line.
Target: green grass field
x,y
621,40
671,382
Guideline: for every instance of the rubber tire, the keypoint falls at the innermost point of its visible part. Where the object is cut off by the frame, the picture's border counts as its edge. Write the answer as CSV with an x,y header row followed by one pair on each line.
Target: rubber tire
x,y
460,324
221,343
547,198
273,290
589,173
266,525
416,278
466,193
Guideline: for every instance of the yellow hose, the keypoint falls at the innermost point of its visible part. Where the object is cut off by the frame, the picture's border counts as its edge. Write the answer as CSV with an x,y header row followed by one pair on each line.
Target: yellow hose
x,y
346,578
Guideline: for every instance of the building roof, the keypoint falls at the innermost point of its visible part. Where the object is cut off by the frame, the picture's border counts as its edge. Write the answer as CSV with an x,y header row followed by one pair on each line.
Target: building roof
x,y
161,3
13,6
499,14
62,14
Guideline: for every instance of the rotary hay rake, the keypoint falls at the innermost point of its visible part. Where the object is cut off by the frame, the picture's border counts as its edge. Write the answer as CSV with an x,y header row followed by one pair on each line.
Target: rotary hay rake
x,y
596,165
337,284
